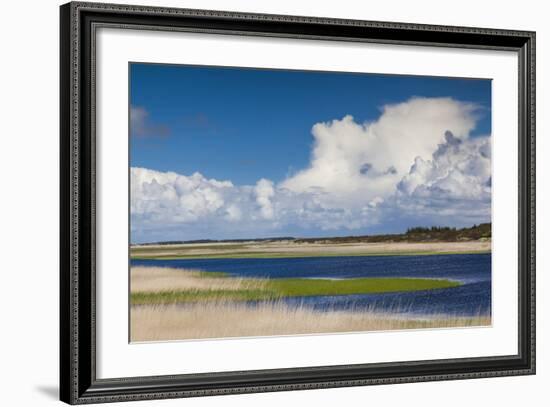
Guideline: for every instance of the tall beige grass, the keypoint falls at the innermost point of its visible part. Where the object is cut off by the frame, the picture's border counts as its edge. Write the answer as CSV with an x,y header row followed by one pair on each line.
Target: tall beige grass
x,y
157,279
222,320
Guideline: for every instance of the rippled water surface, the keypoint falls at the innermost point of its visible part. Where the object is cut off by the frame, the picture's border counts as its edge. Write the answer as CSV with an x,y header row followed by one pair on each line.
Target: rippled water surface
x,y
471,298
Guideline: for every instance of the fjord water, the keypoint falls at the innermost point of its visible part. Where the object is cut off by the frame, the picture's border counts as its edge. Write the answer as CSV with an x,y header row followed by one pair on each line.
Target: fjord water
x,y
473,297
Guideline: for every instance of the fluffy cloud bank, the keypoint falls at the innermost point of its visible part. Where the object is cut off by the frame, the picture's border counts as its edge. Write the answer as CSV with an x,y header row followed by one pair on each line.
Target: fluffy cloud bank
x,y
416,162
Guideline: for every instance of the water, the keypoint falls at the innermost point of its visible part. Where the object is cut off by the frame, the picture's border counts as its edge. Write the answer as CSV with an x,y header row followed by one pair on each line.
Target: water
x,y
472,270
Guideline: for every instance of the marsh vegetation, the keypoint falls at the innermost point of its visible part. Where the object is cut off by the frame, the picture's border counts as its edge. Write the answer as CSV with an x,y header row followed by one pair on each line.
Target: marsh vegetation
x,y
177,303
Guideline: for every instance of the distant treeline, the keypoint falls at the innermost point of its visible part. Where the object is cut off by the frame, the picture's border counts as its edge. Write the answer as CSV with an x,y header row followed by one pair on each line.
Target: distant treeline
x,y
414,234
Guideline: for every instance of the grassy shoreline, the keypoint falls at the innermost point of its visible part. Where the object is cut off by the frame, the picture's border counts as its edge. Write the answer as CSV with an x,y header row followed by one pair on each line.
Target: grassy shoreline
x,y
168,286
174,304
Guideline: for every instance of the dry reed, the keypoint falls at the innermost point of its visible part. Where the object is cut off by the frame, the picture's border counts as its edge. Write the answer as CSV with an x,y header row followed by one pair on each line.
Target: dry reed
x,y
158,279
222,320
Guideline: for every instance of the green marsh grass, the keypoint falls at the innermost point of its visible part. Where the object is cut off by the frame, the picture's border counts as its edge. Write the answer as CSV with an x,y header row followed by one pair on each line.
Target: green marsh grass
x,y
171,304
272,289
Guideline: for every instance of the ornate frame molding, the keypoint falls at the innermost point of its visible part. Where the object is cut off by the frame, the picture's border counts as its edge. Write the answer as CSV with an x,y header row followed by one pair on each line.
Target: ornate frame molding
x,y
79,21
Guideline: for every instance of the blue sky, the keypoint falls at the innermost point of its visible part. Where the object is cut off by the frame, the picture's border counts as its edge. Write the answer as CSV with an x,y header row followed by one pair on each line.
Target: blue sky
x,y
295,130
258,122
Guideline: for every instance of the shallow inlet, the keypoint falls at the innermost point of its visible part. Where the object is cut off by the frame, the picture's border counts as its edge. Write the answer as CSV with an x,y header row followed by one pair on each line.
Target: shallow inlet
x,y
473,297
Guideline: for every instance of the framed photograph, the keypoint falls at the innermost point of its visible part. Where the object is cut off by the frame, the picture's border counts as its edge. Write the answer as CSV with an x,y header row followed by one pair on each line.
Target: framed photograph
x,y
255,203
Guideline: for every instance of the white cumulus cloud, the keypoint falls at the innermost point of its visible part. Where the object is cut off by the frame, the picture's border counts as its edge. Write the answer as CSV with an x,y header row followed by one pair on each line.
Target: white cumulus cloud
x,y
362,161
264,193
455,181
416,162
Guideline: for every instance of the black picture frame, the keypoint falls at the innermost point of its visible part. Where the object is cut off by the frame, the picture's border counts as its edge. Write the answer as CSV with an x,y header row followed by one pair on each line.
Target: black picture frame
x,y
78,382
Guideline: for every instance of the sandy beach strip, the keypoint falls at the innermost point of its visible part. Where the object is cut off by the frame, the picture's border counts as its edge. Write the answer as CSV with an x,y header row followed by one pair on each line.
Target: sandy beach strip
x,y
293,249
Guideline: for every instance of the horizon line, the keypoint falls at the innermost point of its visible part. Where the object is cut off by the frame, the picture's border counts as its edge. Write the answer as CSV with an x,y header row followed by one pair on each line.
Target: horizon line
x,y
279,237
